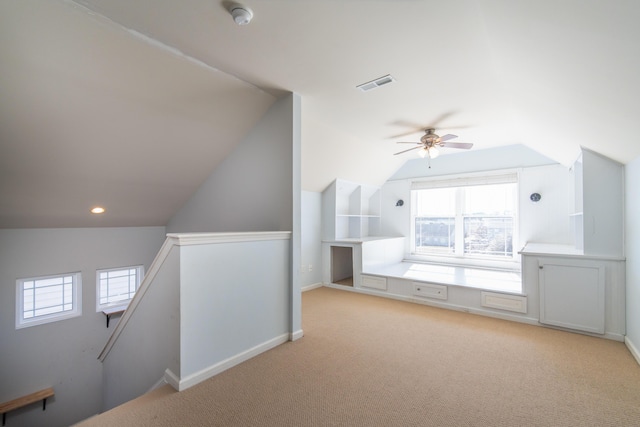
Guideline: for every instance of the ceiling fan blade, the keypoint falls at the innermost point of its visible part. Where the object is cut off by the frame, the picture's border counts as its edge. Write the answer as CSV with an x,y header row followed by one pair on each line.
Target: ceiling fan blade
x,y
404,151
413,132
441,118
407,142
463,145
447,137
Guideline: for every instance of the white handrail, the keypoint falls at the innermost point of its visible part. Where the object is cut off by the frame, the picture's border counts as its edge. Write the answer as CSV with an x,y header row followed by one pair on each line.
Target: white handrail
x,y
144,286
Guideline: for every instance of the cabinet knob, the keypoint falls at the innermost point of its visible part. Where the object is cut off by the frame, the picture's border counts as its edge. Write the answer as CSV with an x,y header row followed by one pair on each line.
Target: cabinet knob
x,y
540,267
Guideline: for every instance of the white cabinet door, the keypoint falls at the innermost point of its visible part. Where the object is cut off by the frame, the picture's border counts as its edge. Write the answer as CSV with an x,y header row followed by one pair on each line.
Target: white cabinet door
x,y
572,294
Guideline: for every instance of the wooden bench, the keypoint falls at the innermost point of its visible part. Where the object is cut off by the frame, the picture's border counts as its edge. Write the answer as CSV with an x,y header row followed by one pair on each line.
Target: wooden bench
x,y
26,400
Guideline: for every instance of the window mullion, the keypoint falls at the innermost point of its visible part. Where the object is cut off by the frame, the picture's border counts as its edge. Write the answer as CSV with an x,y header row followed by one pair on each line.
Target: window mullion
x,y
459,248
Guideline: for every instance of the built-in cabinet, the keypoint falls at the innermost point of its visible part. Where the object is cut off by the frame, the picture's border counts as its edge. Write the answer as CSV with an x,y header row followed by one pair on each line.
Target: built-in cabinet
x,y
581,285
576,291
572,294
350,211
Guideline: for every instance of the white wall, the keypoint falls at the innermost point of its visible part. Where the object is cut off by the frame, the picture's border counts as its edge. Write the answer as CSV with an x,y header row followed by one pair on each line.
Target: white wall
x,y
251,190
632,234
150,343
490,159
256,188
61,354
603,206
548,219
311,239
234,297
545,221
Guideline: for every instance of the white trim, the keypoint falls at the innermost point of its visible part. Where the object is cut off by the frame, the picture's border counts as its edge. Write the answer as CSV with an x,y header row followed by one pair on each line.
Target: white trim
x,y
204,374
162,381
461,184
217,238
504,316
175,239
632,348
294,336
144,287
509,176
76,302
504,302
311,287
124,302
565,251
172,379
434,303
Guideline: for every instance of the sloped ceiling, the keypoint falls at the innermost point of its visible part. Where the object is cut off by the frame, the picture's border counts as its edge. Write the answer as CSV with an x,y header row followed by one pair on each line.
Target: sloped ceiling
x,y
132,103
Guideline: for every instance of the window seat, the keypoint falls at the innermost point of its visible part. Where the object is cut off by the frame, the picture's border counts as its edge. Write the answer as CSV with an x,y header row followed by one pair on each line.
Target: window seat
x,y
479,278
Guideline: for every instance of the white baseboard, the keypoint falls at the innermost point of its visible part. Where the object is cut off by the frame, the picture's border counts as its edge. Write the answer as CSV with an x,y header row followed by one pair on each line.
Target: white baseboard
x,y
455,307
172,379
479,311
162,381
633,349
198,377
293,336
310,287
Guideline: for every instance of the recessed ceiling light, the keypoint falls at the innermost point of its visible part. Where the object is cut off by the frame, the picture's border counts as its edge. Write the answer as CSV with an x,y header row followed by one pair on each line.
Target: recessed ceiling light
x,y
97,210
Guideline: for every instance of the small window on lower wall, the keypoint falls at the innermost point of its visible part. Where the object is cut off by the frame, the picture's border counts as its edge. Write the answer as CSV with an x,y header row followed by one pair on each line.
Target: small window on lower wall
x,y
47,299
117,286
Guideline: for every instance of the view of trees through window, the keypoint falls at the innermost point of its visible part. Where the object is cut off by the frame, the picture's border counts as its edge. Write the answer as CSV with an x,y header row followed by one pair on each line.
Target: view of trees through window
x,y
472,220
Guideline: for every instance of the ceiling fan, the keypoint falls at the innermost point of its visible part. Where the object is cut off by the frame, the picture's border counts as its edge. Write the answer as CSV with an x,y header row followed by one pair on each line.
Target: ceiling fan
x,y
430,142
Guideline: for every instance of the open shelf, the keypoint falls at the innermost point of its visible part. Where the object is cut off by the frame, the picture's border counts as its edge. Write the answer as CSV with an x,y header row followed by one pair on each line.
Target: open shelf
x,y
350,210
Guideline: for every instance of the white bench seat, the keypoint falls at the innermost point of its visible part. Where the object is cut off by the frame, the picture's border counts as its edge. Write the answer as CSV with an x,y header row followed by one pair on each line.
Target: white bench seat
x,y
479,278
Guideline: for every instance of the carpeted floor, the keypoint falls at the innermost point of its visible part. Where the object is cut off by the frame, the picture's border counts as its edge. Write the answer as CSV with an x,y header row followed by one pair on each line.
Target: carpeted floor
x,y
368,361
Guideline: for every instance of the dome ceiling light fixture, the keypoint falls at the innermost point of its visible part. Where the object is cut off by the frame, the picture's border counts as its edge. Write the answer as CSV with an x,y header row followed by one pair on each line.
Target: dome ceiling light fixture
x,y
242,15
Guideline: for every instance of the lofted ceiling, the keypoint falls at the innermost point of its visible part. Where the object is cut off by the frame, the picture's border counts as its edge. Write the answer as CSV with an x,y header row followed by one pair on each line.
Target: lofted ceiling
x,y
133,103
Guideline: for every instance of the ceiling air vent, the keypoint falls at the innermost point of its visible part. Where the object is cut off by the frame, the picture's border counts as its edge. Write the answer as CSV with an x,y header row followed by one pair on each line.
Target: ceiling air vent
x,y
380,81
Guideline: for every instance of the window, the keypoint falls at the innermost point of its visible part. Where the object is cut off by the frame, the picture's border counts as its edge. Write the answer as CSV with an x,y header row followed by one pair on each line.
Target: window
x,y
465,218
47,299
117,286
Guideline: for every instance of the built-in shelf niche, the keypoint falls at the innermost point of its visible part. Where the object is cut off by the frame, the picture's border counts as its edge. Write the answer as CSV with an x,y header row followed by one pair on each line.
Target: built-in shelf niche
x,y
576,216
597,199
350,210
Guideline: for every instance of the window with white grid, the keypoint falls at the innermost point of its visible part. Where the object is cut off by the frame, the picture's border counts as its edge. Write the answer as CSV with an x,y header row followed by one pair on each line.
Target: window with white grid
x,y
116,286
47,299
465,218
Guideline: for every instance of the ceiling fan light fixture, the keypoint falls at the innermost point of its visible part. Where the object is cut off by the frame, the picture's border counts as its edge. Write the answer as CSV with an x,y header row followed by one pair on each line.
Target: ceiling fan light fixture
x,y
432,152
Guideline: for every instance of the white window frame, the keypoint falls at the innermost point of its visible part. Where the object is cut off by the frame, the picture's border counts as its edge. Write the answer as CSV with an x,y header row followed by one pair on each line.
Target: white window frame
x,y
75,295
139,276
468,260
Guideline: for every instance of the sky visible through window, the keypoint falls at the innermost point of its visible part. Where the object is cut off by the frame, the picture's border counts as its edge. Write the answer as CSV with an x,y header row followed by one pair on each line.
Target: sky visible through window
x,y
472,220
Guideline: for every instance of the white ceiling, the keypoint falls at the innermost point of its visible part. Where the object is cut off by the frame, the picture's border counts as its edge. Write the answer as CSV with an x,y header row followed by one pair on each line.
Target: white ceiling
x,y
133,103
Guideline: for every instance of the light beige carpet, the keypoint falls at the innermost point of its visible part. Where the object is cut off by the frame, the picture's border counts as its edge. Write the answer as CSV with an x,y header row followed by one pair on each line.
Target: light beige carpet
x,y
368,361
